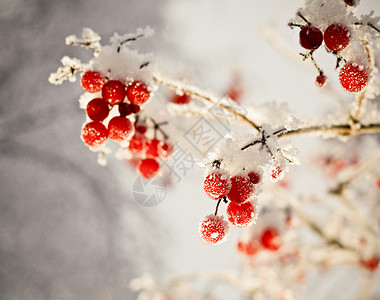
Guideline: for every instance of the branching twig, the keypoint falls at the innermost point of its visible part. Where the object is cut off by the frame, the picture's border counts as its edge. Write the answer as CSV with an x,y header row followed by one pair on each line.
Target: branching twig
x,y
194,92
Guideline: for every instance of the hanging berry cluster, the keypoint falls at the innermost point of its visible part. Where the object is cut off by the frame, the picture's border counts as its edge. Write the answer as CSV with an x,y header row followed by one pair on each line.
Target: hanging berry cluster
x,y
344,35
229,179
118,84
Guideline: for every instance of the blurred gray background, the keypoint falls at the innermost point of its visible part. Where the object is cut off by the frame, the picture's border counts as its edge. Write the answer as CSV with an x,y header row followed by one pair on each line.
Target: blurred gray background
x,y
62,235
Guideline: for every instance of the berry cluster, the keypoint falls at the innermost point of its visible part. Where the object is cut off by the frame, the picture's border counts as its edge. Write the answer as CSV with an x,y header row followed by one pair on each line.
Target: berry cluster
x,y
337,36
113,92
125,127
241,210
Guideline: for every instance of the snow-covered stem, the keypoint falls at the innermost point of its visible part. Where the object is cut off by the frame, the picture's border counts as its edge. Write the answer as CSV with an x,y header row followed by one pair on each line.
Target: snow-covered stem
x,y
197,93
334,130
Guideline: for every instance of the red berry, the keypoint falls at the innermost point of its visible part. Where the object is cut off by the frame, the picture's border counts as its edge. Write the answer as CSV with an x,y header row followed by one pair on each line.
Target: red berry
x,y
137,92
241,189
92,82
148,167
165,149
276,174
124,109
152,148
120,129
254,177
320,80
137,144
270,239
94,134
114,92
371,264
213,229
181,99
353,77
217,184
350,2
310,37
248,248
241,215
135,108
336,37
140,128
378,183
97,109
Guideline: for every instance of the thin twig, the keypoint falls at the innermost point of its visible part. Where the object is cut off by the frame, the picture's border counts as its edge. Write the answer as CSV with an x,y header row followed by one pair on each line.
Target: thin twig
x,y
189,90
339,129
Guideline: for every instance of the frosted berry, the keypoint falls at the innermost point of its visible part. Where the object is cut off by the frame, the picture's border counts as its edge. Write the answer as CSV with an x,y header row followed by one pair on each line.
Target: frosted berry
x,y
97,109
377,183
270,239
114,92
248,248
241,215
120,129
148,168
152,148
165,149
320,80
94,134
213,229
371,263
310,37
241,189
92,82
353,77
140,128
217,184
138,92
137,144
181,99
124,109
350,2
276,174
336,37
254,177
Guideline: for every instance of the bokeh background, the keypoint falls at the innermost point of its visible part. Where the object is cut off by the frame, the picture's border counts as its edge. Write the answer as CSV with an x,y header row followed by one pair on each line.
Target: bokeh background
x,y
71,229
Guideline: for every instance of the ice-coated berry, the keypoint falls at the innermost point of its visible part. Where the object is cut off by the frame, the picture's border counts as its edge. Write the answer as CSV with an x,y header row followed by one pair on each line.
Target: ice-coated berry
x,y
165,149
213,229
320,80
120,129
124,109
137,144
152,148
248,248
350,2
138,92
114,92
92,81
270,239
241,189
148,168
241,215
310,37
97,109
371,263
181,99
94,134
336,37
217,184
353,77
254,177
